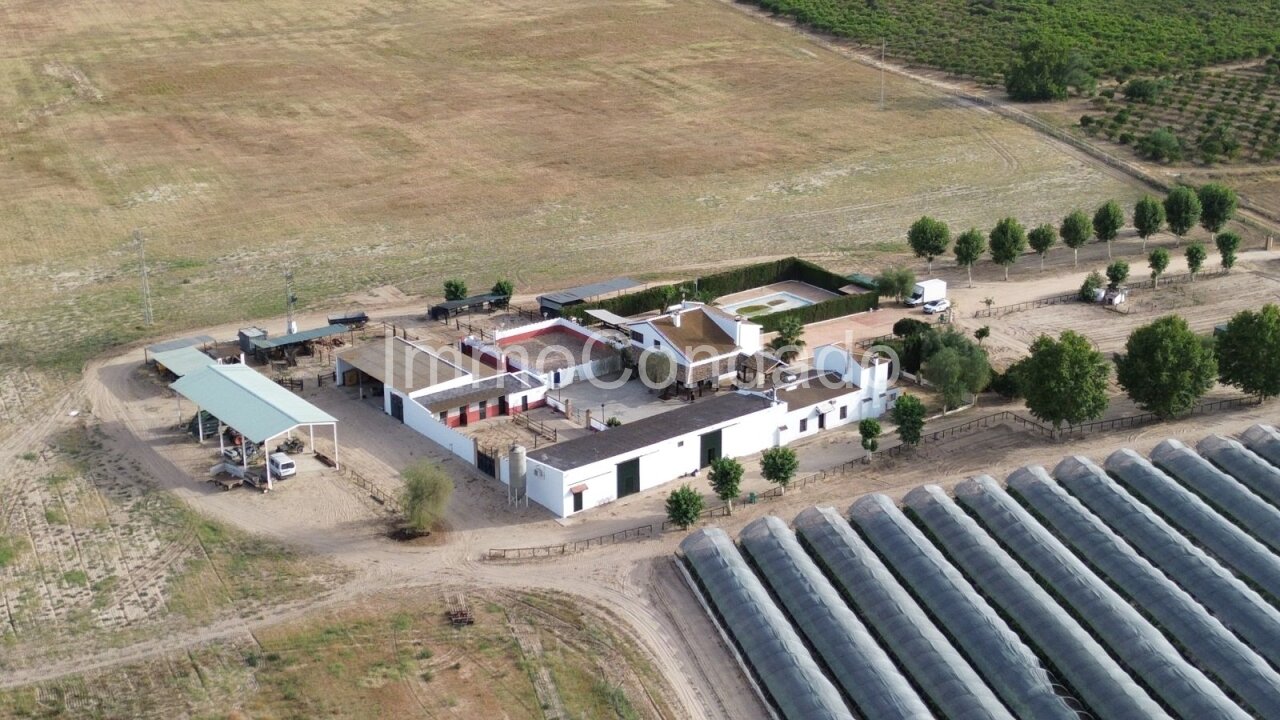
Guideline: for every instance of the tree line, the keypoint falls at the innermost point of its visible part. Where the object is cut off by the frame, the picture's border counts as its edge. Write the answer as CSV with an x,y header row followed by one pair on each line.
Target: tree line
x,y
1211,207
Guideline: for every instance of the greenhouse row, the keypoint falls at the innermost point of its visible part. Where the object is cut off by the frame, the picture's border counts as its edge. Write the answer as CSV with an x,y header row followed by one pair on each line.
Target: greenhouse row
x,y
1140,589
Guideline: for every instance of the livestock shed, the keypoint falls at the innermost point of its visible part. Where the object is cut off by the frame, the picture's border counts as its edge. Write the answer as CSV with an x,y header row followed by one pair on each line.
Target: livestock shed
x,y
265,347
449,308
553,304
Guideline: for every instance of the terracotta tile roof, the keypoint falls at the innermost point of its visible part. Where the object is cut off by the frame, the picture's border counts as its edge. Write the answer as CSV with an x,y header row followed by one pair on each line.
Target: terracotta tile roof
x,y
697,335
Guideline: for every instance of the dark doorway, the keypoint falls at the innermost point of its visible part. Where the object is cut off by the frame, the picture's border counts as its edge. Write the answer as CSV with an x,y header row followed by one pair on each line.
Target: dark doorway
x,y
710,447
462,415
397,407
628,478
484,409
577,502
503,408
524,403
822,421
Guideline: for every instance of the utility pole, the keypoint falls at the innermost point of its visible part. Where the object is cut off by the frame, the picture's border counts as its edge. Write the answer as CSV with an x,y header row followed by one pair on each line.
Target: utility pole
x,y
146,283
290,300
882,73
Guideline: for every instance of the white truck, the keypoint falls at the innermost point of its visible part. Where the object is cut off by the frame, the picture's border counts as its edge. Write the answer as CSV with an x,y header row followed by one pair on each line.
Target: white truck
x,y
927,291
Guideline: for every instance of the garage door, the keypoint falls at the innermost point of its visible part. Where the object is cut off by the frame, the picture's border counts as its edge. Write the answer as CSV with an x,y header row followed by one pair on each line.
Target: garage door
x,y
710,448
629,477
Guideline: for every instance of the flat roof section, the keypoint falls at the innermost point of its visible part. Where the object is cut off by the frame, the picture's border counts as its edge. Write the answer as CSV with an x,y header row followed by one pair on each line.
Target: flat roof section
x,y
648,431
401,364
490,388
815,389
299,337
183,361
585,292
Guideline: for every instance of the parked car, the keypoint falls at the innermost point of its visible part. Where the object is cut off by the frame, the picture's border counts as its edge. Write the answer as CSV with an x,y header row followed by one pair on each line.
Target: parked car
x,y
937,306
281,465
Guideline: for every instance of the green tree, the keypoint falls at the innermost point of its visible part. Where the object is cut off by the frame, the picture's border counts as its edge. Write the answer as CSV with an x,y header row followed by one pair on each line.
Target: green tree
x,y
1107,222
659,370
1117,273
613,421
1046,68
1075,231
426,493
1217,205
1148,218
779,465
1041,240
1089,288
1160,145
869,429
726,479
1249,352
1158,261
506,288
1064,380
982,333
1165,367
1228,244
895,282
1181,210
1196,255
908,326
788,341
1008,240
684,506
929,239
908,415
455,289
955,370
970,246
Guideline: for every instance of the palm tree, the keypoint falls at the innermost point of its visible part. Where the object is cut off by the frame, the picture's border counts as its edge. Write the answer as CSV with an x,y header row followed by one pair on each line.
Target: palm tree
x,y
788,341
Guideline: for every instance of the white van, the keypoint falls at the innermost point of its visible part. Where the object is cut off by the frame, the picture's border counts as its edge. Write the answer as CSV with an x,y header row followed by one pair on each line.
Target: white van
x,y
281,465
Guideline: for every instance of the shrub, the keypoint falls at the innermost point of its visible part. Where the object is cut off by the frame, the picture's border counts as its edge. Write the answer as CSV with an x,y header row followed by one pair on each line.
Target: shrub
x,y
684,505
1161,146
427,489
1092,284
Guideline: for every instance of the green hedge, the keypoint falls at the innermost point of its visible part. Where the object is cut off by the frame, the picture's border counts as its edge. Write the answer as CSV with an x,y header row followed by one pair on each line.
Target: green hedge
x,y
745,278
825,310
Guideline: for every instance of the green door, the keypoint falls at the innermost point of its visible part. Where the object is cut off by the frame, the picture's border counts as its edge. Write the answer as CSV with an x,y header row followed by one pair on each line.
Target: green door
x,y
628,477
710,448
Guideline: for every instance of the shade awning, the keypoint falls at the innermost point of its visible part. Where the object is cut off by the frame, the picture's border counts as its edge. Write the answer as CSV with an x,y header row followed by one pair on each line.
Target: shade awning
x,y
250,403
183,361
609,318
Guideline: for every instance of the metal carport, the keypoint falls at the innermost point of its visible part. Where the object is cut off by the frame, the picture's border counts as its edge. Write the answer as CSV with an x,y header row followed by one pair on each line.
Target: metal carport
x,y
252,405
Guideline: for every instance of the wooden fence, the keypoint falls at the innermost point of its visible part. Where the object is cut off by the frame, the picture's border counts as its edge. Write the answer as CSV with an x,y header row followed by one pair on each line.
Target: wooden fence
x,y
376,493
536,426
294,384
1139,287
571,546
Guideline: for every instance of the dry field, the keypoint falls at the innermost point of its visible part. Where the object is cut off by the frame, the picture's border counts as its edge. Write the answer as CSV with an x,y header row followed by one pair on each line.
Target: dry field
x,y
386,141
394,655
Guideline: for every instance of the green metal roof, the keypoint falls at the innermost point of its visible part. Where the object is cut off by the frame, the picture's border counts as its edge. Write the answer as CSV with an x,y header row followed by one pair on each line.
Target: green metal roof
x,y
300,336
183,361
246,400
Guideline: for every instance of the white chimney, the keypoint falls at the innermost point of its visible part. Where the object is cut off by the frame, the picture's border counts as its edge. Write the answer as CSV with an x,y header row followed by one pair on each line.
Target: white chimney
x,y
675,318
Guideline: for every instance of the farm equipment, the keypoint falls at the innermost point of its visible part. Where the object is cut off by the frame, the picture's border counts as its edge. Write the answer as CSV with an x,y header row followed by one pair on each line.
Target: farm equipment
x,y
458,613
355,320
206,419
291,445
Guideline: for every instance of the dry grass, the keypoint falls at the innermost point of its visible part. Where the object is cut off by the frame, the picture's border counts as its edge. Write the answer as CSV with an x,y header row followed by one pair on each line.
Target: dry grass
x,y
389,656
364,142
98,557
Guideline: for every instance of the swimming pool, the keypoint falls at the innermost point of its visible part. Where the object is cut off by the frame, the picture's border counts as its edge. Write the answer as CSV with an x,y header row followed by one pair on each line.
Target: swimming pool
x,y
766,304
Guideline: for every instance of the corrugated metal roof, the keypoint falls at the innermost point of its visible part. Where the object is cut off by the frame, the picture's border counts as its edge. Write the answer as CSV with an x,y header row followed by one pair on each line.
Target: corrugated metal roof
x,y
183,361
584,292
180,343
246,400
608,318
412,368
300,336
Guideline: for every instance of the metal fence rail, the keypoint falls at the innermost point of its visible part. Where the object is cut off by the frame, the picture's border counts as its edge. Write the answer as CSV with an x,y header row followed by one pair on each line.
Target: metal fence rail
x,y
571,546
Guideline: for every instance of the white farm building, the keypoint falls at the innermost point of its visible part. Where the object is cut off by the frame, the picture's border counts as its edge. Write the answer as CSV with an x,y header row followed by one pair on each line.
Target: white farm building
x,y
596,469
